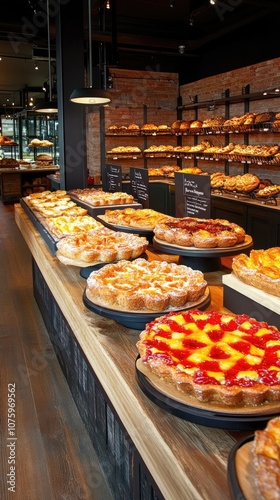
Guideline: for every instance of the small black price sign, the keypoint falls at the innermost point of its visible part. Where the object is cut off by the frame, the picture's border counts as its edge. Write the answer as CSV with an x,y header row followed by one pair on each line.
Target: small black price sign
x,y
139,183
113,178
192,195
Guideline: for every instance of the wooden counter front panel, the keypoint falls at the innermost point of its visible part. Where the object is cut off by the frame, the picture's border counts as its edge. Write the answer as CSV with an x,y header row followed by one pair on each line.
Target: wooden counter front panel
x,y
126,476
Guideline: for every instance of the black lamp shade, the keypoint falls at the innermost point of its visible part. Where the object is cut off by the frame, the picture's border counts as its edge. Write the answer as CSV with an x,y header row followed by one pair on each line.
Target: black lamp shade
x,y
46,107
90,96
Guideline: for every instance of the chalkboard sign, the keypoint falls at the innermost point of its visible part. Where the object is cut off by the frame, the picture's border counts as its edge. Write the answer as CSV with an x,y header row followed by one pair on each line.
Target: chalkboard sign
x,y
139,184
113,178
192,195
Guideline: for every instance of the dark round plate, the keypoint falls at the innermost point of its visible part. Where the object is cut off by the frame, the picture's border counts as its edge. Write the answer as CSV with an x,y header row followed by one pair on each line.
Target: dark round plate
x,y
203,252
197,415
202,259
137,320
232,476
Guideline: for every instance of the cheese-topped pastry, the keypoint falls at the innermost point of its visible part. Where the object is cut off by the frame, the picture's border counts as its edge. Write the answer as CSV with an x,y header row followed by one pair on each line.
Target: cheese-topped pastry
x,y
144,218
102,245
68,224
146,286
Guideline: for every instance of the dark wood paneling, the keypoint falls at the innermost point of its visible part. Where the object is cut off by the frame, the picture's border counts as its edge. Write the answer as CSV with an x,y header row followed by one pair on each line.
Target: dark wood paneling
x,y
113,445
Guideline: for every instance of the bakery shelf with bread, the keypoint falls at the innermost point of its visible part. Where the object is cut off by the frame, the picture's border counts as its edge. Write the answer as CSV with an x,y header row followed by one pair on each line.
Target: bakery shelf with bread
x,y
123,130
38,143
136,130
249,122
248,184
124,152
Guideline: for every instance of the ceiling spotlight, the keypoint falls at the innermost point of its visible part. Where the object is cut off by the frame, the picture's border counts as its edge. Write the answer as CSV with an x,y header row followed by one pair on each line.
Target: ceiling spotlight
x,y
182,49
213,2
36,66
172,2
108,4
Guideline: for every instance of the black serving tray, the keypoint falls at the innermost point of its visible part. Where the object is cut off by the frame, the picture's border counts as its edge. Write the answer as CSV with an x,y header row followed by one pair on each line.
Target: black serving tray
x,y
100,210
232,476
202,259
198,415
47,237
139,320
147,233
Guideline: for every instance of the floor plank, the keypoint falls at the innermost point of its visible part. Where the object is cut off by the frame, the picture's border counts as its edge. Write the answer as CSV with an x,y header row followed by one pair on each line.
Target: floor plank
x,y
54,458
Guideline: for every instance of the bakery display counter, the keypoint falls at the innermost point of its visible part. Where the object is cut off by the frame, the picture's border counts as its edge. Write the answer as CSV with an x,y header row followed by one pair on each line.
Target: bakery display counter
x,y
14,182
162,455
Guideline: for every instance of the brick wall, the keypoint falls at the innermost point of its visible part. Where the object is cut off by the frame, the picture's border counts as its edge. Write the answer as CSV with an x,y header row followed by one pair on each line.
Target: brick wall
x,y
137,97
260,76
135,91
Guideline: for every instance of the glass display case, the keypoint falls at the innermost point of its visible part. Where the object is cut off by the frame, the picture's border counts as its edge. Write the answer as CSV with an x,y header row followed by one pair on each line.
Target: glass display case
x,y
34,132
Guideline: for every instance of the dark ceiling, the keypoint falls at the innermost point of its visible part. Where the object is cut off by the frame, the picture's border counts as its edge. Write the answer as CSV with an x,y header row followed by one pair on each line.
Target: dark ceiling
x,y
144,35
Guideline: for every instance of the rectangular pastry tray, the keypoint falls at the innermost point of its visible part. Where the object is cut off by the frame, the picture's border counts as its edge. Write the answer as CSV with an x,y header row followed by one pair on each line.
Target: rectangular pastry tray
x,y
100,210
241,298
37,221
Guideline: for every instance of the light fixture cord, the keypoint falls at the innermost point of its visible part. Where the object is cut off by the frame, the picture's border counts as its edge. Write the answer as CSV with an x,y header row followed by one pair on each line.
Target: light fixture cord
x,y
89,43
49,51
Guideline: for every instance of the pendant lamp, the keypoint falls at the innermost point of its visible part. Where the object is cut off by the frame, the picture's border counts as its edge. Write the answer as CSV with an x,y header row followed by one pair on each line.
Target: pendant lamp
x,y
90,95
48,106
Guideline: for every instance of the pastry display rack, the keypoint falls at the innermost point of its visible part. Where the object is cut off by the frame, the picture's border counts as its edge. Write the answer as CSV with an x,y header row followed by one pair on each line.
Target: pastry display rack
x,y
268,123
123,155
251,195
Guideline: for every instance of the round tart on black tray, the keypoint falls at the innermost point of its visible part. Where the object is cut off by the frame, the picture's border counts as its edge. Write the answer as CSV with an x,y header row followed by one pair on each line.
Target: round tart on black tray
x,y
134,293
199,233
220,361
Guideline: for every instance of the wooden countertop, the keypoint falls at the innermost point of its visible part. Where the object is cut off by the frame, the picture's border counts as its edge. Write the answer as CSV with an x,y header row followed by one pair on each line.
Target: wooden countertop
x,y
186,460
28,170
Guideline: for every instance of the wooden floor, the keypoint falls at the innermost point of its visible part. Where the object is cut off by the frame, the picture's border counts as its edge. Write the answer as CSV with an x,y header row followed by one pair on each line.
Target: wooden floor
x,y
45,451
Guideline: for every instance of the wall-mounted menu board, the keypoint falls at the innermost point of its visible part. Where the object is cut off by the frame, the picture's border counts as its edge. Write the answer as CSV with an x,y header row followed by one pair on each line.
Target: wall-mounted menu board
x,y
139,184
192,195
113,178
